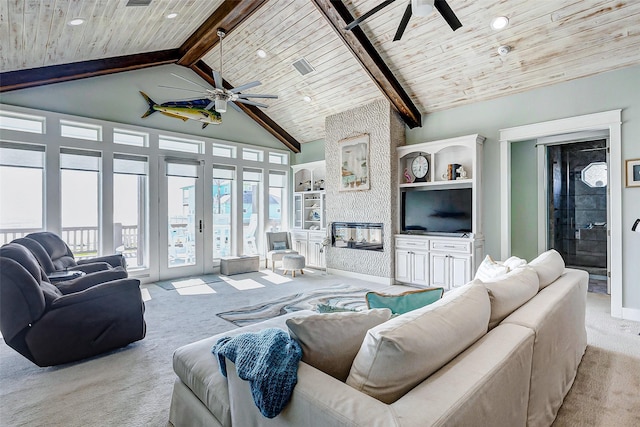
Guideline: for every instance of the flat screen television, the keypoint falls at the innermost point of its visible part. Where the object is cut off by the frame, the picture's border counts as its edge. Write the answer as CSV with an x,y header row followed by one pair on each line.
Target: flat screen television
x,y
437,211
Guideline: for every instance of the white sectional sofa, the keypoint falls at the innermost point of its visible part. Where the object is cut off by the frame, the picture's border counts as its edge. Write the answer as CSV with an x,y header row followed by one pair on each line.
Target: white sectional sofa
x,y
441,365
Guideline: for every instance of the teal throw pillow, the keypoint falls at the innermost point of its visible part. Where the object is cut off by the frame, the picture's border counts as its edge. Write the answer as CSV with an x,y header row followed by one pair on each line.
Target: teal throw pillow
x,y
279,246
404,302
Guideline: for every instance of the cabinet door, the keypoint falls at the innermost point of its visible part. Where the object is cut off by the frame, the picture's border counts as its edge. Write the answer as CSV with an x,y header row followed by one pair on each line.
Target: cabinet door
x,y
297,211
459,270
299,245
420,268
314,258
403,266
439,270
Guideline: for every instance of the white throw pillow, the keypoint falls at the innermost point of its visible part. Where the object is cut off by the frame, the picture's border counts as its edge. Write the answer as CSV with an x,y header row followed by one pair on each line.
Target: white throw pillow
x,y
549,265
514,262
330,341
509,292
400,353
489,269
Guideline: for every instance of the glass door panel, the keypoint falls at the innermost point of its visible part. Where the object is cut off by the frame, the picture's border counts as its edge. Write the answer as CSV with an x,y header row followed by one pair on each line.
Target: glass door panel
x,y
223,190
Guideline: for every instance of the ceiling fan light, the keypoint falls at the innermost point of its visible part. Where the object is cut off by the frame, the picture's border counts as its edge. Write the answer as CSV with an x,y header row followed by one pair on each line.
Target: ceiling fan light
x,y
422,7
221,105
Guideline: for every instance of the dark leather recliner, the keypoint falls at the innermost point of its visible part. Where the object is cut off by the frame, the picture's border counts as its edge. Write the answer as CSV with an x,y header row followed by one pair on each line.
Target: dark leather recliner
x,y
62,258
50,325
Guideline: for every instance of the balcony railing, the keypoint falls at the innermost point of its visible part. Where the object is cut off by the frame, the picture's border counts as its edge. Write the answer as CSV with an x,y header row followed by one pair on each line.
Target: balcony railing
x,y
84,241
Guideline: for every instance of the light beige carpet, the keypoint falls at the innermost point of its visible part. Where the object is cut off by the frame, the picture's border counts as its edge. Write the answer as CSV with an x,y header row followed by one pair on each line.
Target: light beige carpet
x,y
132,386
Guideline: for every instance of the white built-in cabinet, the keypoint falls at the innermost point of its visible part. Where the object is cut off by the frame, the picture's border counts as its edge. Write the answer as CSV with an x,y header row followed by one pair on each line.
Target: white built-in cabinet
x,y
309,211
435,259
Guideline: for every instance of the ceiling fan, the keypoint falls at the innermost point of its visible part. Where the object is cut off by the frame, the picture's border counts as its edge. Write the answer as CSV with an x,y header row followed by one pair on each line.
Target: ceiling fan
x,y
417,7
219,95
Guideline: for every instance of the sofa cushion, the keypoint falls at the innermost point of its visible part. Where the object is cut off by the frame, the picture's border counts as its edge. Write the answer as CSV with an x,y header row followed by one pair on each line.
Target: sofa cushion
x,y
404,302
514,262
549,265
330,341
509,292
400,353
489,269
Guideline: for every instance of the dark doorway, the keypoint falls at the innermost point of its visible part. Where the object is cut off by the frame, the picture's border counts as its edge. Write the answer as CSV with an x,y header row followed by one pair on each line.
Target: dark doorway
x,y
577,201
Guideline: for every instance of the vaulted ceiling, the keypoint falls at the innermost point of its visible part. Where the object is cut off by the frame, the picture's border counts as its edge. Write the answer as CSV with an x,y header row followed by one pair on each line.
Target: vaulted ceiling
x,y
431,68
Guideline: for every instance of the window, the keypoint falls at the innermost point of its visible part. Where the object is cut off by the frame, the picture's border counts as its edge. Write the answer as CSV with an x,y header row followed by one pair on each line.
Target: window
x,y
277,196
251,154
278,158
21,122
80,196
130,204
223,150
223,183
129,137
180,144
21,172
80,130
251,208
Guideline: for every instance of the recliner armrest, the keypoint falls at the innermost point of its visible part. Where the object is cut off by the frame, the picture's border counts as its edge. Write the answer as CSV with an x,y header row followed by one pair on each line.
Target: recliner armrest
x,y
91,267
101,290
90,280
116,260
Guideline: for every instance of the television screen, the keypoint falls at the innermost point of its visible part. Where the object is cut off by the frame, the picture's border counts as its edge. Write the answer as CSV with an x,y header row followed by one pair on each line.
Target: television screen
x,y
437,211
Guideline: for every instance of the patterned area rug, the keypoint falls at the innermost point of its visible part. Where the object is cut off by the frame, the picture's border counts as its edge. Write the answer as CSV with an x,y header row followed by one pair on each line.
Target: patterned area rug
x,y
342,295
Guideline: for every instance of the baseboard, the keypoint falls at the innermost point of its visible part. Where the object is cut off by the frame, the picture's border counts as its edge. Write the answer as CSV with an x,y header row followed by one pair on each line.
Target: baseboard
x,y
631,314
375,279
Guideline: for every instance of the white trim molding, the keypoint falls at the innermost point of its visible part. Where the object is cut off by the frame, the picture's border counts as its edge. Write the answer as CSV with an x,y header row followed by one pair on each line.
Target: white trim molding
x,y
610,121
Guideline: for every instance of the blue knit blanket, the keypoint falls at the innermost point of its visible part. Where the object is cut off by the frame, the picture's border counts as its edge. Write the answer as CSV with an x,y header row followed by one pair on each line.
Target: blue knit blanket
x,y
268,360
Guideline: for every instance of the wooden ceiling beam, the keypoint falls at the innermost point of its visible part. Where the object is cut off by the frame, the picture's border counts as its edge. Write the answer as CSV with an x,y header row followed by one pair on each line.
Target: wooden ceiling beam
x,y
338,16
22,79
228,16
205,71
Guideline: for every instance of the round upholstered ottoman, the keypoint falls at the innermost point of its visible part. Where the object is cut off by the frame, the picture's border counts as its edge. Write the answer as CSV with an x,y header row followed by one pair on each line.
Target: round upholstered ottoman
x,y
293,262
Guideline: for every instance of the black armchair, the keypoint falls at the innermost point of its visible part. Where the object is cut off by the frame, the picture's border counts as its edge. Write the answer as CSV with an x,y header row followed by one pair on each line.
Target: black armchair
x,y
62,258
51,326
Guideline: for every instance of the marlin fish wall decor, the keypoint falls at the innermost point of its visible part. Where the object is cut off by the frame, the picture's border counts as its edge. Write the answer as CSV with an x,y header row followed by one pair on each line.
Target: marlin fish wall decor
x,y
196,109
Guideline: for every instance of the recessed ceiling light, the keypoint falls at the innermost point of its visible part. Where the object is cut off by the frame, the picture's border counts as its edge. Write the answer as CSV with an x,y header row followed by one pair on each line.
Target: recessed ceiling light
x,y
171,15
499,22
76,21
261,53
307,99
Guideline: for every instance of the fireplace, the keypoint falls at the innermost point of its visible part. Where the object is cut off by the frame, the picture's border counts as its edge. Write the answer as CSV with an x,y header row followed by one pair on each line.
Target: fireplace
x,y
357,235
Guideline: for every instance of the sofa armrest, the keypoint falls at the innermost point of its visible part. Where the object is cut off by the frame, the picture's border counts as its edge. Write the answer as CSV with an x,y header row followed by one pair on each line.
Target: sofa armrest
x,y
317,400
90,280
90,267
116,260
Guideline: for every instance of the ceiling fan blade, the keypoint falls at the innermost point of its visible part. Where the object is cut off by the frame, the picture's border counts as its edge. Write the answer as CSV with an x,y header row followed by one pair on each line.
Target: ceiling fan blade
x,y
180,88
256,95
210,105
403,23
447,14
187,80
361,18
217,79
245,86
249,102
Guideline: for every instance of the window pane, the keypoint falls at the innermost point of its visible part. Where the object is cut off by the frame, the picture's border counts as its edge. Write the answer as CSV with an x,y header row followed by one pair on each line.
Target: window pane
x,y
222,204
21,122
222,150
79,191
249,154
20,215
80,131
182,228
130,212
180,144
127,137
278,158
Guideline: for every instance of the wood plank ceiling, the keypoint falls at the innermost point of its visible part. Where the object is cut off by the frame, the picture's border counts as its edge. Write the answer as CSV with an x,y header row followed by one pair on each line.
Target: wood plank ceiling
x,y
552,42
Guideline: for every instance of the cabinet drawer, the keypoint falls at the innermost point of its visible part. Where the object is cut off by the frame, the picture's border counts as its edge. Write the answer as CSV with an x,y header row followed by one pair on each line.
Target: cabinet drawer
x,y
299,235
449,246
412,243
316,236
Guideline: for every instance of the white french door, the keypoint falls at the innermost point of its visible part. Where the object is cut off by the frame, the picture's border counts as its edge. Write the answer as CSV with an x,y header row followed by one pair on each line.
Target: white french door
x,y
181,209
